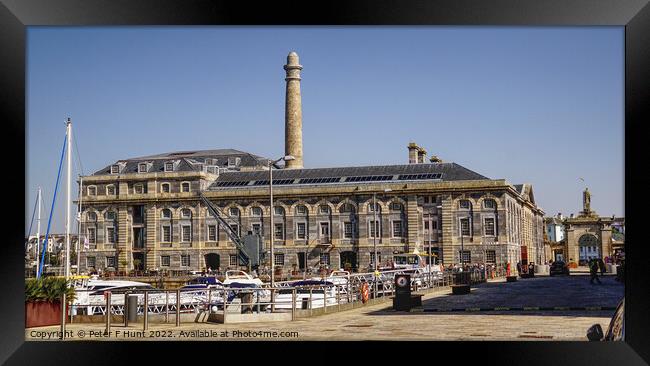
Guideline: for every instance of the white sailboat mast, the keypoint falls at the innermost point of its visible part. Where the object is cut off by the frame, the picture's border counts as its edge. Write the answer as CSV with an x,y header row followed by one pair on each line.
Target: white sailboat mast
x,y
81,183
67,204
38,231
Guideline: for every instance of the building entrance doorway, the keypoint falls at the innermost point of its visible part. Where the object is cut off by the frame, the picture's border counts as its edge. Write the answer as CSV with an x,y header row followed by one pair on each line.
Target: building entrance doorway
x,y
349,261
212,261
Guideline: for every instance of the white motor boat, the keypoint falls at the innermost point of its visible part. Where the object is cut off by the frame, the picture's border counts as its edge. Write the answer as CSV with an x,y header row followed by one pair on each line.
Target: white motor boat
x,y
313,293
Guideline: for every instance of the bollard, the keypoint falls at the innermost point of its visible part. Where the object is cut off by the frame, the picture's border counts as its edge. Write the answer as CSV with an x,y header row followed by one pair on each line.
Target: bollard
x,y
166,306
293,304
146,310
178,307
310,303
63,315
125,308
108,313
225,304
132,308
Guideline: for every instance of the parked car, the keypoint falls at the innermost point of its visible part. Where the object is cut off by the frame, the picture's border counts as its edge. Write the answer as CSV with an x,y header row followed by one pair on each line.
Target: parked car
x,y
559,267
616,329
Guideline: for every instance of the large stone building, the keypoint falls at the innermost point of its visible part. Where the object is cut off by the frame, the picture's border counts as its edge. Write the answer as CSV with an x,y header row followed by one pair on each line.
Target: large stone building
x,y
146,212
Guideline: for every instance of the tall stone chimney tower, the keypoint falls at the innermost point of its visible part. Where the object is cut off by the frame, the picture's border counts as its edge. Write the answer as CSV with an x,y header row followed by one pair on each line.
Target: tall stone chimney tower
x,y
293,113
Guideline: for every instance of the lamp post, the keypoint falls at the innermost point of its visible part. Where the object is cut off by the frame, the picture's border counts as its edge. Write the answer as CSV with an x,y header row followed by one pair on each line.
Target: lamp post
x,y
272,213
374,237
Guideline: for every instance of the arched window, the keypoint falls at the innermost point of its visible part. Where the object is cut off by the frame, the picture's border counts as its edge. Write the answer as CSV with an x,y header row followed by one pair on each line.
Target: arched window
x,y
234,211
324,209
371,207
166,214
165,188
278,210
464,205
489,204
186,213
396,206
110,216
301,210
256,211
347,208
110,190
91,216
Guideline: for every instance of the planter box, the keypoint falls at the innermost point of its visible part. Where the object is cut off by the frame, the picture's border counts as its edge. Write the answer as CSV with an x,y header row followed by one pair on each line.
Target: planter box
x,y
41,313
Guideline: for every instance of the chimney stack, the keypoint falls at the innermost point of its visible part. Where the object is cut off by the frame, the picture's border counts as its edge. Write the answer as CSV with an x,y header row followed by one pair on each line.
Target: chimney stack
x,y
422,154
413,152
293,113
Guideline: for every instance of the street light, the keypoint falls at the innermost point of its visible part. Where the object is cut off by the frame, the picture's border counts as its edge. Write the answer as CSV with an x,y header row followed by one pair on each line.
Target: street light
x,y
374,237
272,213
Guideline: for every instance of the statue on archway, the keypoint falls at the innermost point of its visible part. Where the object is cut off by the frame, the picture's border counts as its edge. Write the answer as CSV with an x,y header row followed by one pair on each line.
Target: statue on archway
x,y
586,201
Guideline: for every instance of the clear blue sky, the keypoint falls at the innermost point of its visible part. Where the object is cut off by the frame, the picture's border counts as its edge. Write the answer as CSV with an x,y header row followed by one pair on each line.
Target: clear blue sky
x,y
541,105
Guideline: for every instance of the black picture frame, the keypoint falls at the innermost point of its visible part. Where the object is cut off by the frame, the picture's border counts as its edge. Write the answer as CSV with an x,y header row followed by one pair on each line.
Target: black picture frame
x,y
633,15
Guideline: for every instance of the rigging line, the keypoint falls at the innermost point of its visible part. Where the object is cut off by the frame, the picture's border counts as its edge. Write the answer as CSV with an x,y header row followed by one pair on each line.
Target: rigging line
x,y
31,223
76,150
49,220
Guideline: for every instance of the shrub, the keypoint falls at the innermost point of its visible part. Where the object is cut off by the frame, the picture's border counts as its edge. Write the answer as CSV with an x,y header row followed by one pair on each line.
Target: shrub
x,y
48,289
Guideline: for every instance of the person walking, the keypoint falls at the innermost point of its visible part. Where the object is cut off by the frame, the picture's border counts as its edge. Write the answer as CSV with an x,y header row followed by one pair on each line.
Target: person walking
x,y
601,266
593,271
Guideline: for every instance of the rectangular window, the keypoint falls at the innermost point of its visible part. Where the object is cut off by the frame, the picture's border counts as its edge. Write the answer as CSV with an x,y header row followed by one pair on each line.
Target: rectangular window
x,y
374,229
186,233
212,232
110,262
165,187
302,210
90,262
257,229
115,169
372,258
169,167
92,191
185,187
110,190
325,259
233,260
279,259
397,229
166,234
142,168
347,230
165,260
279,232
301,230
185,260
91,235
110,235
235,228
138,188
464,226
490,256
324,230
489,226
466,256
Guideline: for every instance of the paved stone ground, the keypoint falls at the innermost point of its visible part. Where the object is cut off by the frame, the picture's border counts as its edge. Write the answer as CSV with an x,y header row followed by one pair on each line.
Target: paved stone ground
x,y
379,322
561,291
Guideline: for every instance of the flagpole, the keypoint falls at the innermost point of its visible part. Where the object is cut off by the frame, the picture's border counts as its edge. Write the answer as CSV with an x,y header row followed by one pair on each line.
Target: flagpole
x,y
67,204
79,224
38,232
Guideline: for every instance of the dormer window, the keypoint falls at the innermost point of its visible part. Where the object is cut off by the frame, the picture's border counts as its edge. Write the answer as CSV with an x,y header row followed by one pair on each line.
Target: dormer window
x,y
233,161
169,166
92,191
142,168
115,169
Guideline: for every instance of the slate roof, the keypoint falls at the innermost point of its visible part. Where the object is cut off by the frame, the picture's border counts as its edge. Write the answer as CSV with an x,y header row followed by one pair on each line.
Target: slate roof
x,y
187,160
349,175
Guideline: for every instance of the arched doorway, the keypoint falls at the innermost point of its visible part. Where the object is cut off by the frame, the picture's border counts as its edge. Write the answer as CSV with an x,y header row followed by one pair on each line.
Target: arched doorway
x,y
212,261
349,260
588,248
